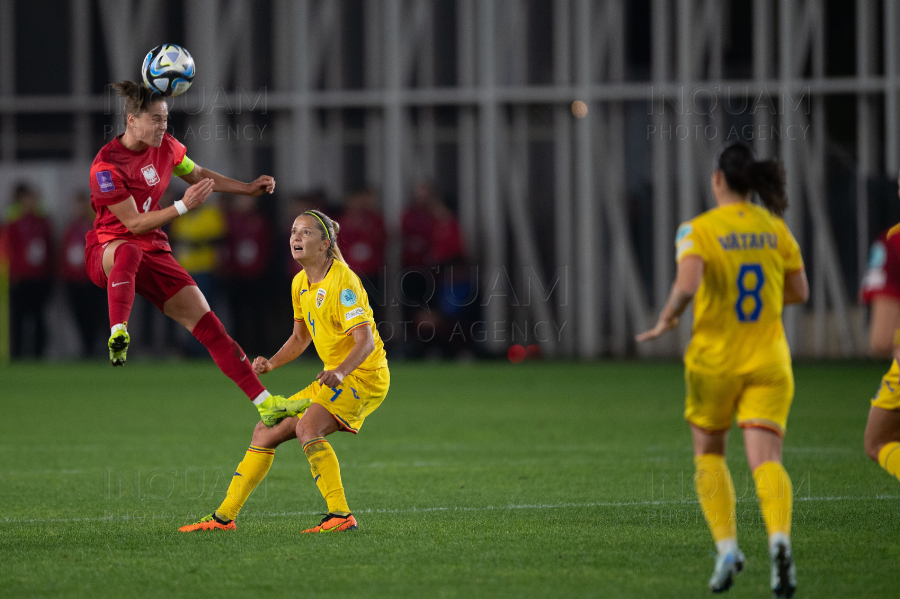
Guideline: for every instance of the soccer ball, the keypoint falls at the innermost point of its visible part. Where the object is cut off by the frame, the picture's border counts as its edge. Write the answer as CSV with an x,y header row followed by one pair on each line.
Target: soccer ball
x,y
168,70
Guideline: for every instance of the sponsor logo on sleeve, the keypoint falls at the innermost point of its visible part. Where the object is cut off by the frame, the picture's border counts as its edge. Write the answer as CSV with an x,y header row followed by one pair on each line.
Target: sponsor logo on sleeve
x,y
105,181
348,297
150,175
354,314
320,297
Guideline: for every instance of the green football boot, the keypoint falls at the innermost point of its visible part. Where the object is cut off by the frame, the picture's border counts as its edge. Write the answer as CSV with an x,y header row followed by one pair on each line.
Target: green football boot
x,y
118,347
276,408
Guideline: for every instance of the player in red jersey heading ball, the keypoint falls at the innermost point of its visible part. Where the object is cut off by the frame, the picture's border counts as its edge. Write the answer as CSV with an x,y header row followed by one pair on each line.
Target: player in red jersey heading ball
x,y
127,253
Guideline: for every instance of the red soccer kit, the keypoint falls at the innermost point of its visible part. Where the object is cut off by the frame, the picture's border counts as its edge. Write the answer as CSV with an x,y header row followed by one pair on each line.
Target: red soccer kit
x,y
118,173
883,276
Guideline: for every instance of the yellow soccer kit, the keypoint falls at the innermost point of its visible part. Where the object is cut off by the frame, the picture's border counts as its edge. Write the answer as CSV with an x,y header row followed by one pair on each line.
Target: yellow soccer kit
x,y
888,396
332,309
738,359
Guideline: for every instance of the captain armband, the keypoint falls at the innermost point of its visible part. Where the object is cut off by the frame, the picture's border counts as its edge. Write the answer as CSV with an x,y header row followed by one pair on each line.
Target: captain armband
x,y
186,166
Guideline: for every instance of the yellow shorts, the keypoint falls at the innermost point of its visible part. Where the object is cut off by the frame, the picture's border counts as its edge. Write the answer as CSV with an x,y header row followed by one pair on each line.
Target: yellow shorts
x,y
760,399
888,396
352,400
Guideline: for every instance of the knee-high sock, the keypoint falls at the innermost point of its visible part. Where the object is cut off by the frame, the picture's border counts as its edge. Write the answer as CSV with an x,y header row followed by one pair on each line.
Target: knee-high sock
x,y
250,473
776,497
120,283
327,473
715,490
889,459
227,354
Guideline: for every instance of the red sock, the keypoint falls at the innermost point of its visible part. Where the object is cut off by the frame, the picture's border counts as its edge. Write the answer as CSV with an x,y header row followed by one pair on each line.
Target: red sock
x,y
120,284
227,354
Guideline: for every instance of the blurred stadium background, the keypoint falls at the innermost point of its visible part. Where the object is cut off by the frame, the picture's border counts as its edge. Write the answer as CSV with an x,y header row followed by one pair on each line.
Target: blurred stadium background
x,y
511,214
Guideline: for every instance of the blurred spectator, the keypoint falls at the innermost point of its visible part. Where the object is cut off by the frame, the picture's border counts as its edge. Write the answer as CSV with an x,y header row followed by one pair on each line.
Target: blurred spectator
x,y
362,240
86,300
195,239
417,224
437,283
446,244
246,255
29,237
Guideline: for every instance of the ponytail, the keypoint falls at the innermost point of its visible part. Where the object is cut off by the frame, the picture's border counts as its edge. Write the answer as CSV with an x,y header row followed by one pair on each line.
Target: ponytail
x,y
744,174
329,229
768,182
138,98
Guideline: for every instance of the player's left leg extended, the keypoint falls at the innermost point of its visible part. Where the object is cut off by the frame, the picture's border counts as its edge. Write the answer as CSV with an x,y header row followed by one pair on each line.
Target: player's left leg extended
x,y
189,308
250,472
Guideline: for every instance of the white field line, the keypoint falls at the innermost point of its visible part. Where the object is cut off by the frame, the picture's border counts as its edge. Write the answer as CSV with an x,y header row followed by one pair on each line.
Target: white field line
x,y
485,508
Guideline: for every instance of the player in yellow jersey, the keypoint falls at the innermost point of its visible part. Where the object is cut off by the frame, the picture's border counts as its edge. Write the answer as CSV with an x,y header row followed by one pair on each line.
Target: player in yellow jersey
x,y
740,265
882,438
332,311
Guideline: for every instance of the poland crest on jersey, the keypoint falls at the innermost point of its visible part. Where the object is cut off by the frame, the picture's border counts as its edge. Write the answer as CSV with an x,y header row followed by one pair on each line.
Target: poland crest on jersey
x,y
320,297
150,175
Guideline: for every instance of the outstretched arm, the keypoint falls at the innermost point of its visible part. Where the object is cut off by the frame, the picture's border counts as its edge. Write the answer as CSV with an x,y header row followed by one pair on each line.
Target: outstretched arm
x,y
293,347
687,282
223,184
365,344
139,222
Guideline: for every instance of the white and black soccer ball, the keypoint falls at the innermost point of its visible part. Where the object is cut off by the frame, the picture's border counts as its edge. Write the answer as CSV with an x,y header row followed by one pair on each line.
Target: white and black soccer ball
x,y
168,70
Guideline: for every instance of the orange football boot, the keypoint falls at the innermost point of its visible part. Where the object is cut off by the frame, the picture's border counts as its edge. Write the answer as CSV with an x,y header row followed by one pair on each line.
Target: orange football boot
x,y
335,523
209,523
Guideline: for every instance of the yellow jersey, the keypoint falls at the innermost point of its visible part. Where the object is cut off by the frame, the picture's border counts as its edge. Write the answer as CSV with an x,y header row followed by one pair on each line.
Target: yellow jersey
x,y
747,251
194,238
331,309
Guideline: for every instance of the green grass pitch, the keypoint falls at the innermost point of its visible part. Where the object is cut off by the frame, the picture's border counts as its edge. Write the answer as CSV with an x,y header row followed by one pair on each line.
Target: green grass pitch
x,y
482,480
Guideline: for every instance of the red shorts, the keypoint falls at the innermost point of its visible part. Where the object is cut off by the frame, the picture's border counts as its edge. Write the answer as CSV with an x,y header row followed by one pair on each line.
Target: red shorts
x,y
159,276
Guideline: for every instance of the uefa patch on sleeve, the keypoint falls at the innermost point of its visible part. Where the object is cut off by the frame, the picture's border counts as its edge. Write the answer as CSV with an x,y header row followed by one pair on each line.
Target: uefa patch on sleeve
x,y
354,313
683,231
348,298
105,181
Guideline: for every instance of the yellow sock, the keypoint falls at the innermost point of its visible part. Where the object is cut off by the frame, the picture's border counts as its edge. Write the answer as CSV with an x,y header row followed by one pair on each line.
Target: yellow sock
x,y
327,473
889,458
776,497
715,490
250,473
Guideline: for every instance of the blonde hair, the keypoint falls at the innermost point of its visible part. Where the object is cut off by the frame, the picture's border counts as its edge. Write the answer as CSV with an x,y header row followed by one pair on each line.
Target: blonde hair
x,y
138,98
329,229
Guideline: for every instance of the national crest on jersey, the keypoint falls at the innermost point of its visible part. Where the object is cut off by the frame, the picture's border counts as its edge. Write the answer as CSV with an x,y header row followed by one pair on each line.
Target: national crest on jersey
x,y
118,173
328,319
150,175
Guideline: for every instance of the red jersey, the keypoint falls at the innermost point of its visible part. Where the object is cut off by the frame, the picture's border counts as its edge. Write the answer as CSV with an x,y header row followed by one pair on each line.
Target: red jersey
x,y
362,240
416,226
446,241
72,266
247,245
883,276
118,173
30,242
